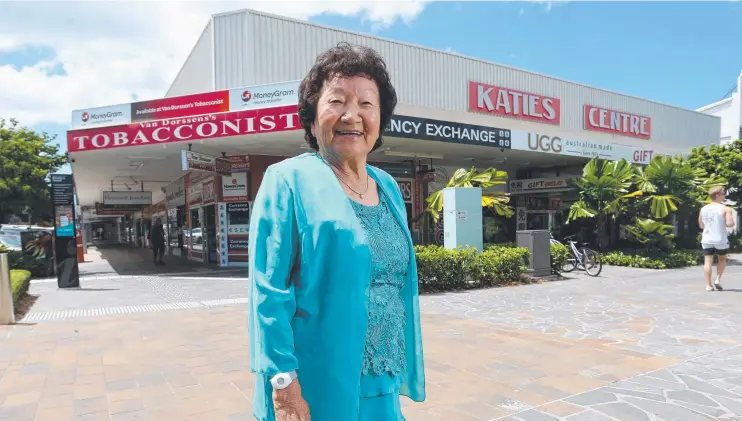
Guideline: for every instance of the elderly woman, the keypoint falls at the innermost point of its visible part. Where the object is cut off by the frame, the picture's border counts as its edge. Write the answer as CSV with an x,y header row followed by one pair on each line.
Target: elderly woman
x,y
334,320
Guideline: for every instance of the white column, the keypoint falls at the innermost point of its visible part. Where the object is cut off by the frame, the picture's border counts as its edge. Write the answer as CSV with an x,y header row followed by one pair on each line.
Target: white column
x,y
736,123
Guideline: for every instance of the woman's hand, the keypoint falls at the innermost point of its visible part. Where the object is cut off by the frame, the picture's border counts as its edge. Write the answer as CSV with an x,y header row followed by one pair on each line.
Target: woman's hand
x,y
289,404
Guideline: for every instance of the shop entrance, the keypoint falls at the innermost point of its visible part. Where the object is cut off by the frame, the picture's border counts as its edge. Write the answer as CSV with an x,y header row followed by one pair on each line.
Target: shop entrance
x,y
542,212
175,224
209,227
195,236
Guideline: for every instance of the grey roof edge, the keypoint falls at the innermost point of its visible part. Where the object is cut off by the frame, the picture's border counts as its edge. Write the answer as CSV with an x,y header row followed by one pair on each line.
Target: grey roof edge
x,y
714,104
286,18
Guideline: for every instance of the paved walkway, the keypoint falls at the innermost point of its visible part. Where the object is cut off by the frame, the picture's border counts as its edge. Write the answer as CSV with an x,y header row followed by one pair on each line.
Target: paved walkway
x,y
103,260
631,345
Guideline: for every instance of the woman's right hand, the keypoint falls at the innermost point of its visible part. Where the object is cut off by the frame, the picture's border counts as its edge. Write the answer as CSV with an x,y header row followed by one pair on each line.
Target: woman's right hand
x,y
289,404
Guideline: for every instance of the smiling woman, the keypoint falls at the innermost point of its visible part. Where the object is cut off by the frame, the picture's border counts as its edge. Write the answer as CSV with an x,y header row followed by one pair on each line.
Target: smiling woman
x,y
334,316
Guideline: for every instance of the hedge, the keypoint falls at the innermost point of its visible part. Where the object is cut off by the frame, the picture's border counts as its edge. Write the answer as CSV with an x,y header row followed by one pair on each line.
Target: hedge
x,y
641,259
39,267
19,282
441,269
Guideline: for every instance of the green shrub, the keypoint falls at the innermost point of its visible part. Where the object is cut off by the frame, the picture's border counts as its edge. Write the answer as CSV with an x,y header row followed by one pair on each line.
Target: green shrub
x,y
19,282
559,254
39,267
500,245
642,259
735,241
441,269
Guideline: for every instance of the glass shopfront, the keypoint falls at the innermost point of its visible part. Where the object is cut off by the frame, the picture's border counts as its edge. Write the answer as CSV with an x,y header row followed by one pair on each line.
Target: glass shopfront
x,y
175,223
542,204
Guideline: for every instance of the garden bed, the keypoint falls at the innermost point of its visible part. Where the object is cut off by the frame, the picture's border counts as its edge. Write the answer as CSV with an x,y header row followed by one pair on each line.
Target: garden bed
x,y
642,259
440,269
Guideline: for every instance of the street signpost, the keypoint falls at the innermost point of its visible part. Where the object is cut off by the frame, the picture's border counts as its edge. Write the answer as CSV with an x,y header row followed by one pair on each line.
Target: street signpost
x,y
65,242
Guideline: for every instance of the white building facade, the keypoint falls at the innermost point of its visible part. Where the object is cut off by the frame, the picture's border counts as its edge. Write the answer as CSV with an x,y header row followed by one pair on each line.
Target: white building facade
x,y
729,110
453,112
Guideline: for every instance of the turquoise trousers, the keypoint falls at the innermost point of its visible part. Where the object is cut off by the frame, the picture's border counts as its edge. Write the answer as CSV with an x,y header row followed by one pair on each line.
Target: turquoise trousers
x,y
379,399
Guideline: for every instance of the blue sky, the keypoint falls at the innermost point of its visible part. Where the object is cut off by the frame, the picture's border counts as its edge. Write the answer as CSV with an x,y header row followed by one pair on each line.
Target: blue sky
x,y
656,50
685,54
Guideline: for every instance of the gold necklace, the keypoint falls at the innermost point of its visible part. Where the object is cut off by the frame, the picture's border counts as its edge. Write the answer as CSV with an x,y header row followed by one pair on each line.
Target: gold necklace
x,y
351,188
343,181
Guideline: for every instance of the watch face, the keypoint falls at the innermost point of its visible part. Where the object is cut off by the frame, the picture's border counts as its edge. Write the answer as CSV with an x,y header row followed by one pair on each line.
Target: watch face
x,y
280,381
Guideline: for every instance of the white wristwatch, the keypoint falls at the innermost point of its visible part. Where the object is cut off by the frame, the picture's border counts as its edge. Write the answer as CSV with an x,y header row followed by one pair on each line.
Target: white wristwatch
x,y
283,380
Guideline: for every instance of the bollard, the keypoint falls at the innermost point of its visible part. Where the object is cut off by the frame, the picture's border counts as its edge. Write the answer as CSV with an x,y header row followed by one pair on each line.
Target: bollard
x,y
7,312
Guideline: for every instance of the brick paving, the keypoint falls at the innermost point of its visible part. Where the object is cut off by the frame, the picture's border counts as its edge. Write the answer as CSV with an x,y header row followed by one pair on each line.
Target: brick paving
x,y
630,345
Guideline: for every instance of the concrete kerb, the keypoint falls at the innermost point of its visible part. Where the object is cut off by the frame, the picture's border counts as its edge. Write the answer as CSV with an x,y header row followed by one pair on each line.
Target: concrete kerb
x,y
176,275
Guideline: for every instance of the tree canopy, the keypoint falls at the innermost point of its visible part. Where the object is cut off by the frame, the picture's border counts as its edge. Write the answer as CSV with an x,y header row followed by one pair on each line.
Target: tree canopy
x,y
26,160
495,200
725,161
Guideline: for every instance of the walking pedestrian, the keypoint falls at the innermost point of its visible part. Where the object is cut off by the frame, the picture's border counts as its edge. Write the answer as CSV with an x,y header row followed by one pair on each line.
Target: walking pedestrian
x,y
715,218
157,240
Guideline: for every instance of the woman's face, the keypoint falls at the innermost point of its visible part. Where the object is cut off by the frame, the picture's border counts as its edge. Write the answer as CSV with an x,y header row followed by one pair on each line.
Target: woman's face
x,y
348,117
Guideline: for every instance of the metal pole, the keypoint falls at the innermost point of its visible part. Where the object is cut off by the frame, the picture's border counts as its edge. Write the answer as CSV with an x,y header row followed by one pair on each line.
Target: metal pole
x,y
7,312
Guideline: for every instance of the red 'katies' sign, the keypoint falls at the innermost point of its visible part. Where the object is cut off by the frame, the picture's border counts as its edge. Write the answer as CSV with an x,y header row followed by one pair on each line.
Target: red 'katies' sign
x,y
187,129
616,122
510,103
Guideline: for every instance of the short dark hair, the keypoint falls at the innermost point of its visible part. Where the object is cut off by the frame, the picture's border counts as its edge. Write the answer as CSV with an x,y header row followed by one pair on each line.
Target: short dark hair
x,y
345,60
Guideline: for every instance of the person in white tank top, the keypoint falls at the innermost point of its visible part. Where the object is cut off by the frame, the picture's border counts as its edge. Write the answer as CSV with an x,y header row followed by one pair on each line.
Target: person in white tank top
x,y
715,218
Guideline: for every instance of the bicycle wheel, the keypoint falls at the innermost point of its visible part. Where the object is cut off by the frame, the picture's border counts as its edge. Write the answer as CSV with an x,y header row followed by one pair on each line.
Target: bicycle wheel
x,y
570,264
593,262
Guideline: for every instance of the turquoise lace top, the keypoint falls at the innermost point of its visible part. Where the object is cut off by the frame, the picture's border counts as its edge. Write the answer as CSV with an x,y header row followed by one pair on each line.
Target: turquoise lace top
x,y
384,354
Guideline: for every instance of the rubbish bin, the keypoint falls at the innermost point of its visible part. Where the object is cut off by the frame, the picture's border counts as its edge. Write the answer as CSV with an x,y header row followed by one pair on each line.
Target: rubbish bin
x,y
537,242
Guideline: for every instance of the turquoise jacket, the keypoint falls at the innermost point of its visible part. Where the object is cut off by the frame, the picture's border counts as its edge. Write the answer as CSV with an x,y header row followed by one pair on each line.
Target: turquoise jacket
x,y
310,270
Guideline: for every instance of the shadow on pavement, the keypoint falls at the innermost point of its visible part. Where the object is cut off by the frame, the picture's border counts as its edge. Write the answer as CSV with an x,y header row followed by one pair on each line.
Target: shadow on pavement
x,y
129,260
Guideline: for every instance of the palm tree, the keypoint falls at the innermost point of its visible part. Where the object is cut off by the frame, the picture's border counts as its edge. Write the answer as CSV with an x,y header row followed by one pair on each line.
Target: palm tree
x,y
668,183
655,236
604,188
497,201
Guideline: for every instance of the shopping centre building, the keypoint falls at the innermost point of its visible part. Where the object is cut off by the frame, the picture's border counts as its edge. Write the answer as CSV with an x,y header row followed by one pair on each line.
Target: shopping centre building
x,y
729,110
197,156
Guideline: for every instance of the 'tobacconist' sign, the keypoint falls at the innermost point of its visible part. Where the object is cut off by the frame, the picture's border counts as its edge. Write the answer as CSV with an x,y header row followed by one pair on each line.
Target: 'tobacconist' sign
x,y
447,131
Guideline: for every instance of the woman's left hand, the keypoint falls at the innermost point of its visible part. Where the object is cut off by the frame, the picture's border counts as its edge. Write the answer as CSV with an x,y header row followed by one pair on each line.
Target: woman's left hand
x,y
289,404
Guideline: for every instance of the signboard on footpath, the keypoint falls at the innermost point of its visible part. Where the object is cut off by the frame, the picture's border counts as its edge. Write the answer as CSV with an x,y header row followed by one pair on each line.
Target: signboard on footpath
x,y
238,228
65,243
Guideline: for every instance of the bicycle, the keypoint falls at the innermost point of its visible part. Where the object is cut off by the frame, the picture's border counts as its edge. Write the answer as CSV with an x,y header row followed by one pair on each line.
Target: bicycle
x,y
583,258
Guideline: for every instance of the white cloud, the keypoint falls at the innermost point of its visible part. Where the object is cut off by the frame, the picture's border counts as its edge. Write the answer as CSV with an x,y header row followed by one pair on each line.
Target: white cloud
x,y
112,52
